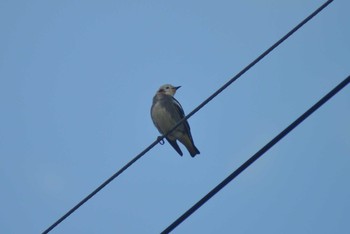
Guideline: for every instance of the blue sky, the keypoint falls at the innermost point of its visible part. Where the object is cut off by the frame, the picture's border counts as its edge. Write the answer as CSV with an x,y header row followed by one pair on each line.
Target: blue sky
x,y
76,85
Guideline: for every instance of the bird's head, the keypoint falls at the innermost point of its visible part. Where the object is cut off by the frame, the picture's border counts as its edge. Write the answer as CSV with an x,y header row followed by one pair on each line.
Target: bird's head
x,y
167,89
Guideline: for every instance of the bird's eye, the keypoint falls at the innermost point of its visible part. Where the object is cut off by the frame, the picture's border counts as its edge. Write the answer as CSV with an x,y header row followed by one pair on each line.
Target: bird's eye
x,y
167,87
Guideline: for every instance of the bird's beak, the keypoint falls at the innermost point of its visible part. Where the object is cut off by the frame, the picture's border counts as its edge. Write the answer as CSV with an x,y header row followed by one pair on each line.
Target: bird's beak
x,y
176,88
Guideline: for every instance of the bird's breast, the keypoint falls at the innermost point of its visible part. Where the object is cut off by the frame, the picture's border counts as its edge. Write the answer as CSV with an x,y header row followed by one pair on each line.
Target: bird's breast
x,y
162,118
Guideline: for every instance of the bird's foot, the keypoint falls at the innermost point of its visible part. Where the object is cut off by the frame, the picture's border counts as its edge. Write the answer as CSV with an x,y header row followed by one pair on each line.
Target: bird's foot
x,y
160,140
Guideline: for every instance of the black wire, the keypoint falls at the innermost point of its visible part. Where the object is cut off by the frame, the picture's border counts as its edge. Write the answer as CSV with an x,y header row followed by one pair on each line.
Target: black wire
x,y
233,79
185,118
257,155
100,187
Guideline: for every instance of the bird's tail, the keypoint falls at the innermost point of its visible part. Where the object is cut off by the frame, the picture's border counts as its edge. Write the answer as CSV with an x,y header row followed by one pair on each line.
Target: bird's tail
x,y
188,143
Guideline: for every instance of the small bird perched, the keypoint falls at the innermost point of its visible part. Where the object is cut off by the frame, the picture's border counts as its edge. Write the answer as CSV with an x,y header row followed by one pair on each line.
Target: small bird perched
x,y
166,111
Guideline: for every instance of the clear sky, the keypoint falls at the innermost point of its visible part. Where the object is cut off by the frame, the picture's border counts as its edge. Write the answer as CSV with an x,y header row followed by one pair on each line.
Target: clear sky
x,y
76,85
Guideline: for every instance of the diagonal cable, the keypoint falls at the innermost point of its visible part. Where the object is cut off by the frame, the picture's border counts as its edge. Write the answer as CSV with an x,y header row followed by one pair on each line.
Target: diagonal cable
x,y
257,155
115,175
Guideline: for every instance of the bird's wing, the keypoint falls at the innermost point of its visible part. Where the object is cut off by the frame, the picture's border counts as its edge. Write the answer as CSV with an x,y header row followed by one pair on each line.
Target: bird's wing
x,y
175,145
181,113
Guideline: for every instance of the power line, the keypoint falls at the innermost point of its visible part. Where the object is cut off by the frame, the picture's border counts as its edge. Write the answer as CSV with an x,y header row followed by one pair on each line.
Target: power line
x,y
160,138
257,155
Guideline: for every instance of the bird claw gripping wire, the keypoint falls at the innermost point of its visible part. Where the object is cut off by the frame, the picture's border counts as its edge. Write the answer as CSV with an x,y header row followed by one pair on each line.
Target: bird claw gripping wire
x,y
160,140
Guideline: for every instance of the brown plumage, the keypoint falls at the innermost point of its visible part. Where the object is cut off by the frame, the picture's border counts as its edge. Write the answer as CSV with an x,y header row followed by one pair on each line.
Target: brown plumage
x,y
166,111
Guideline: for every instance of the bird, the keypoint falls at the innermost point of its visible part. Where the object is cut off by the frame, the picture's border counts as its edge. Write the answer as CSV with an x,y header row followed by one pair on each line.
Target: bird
x,y
166,112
